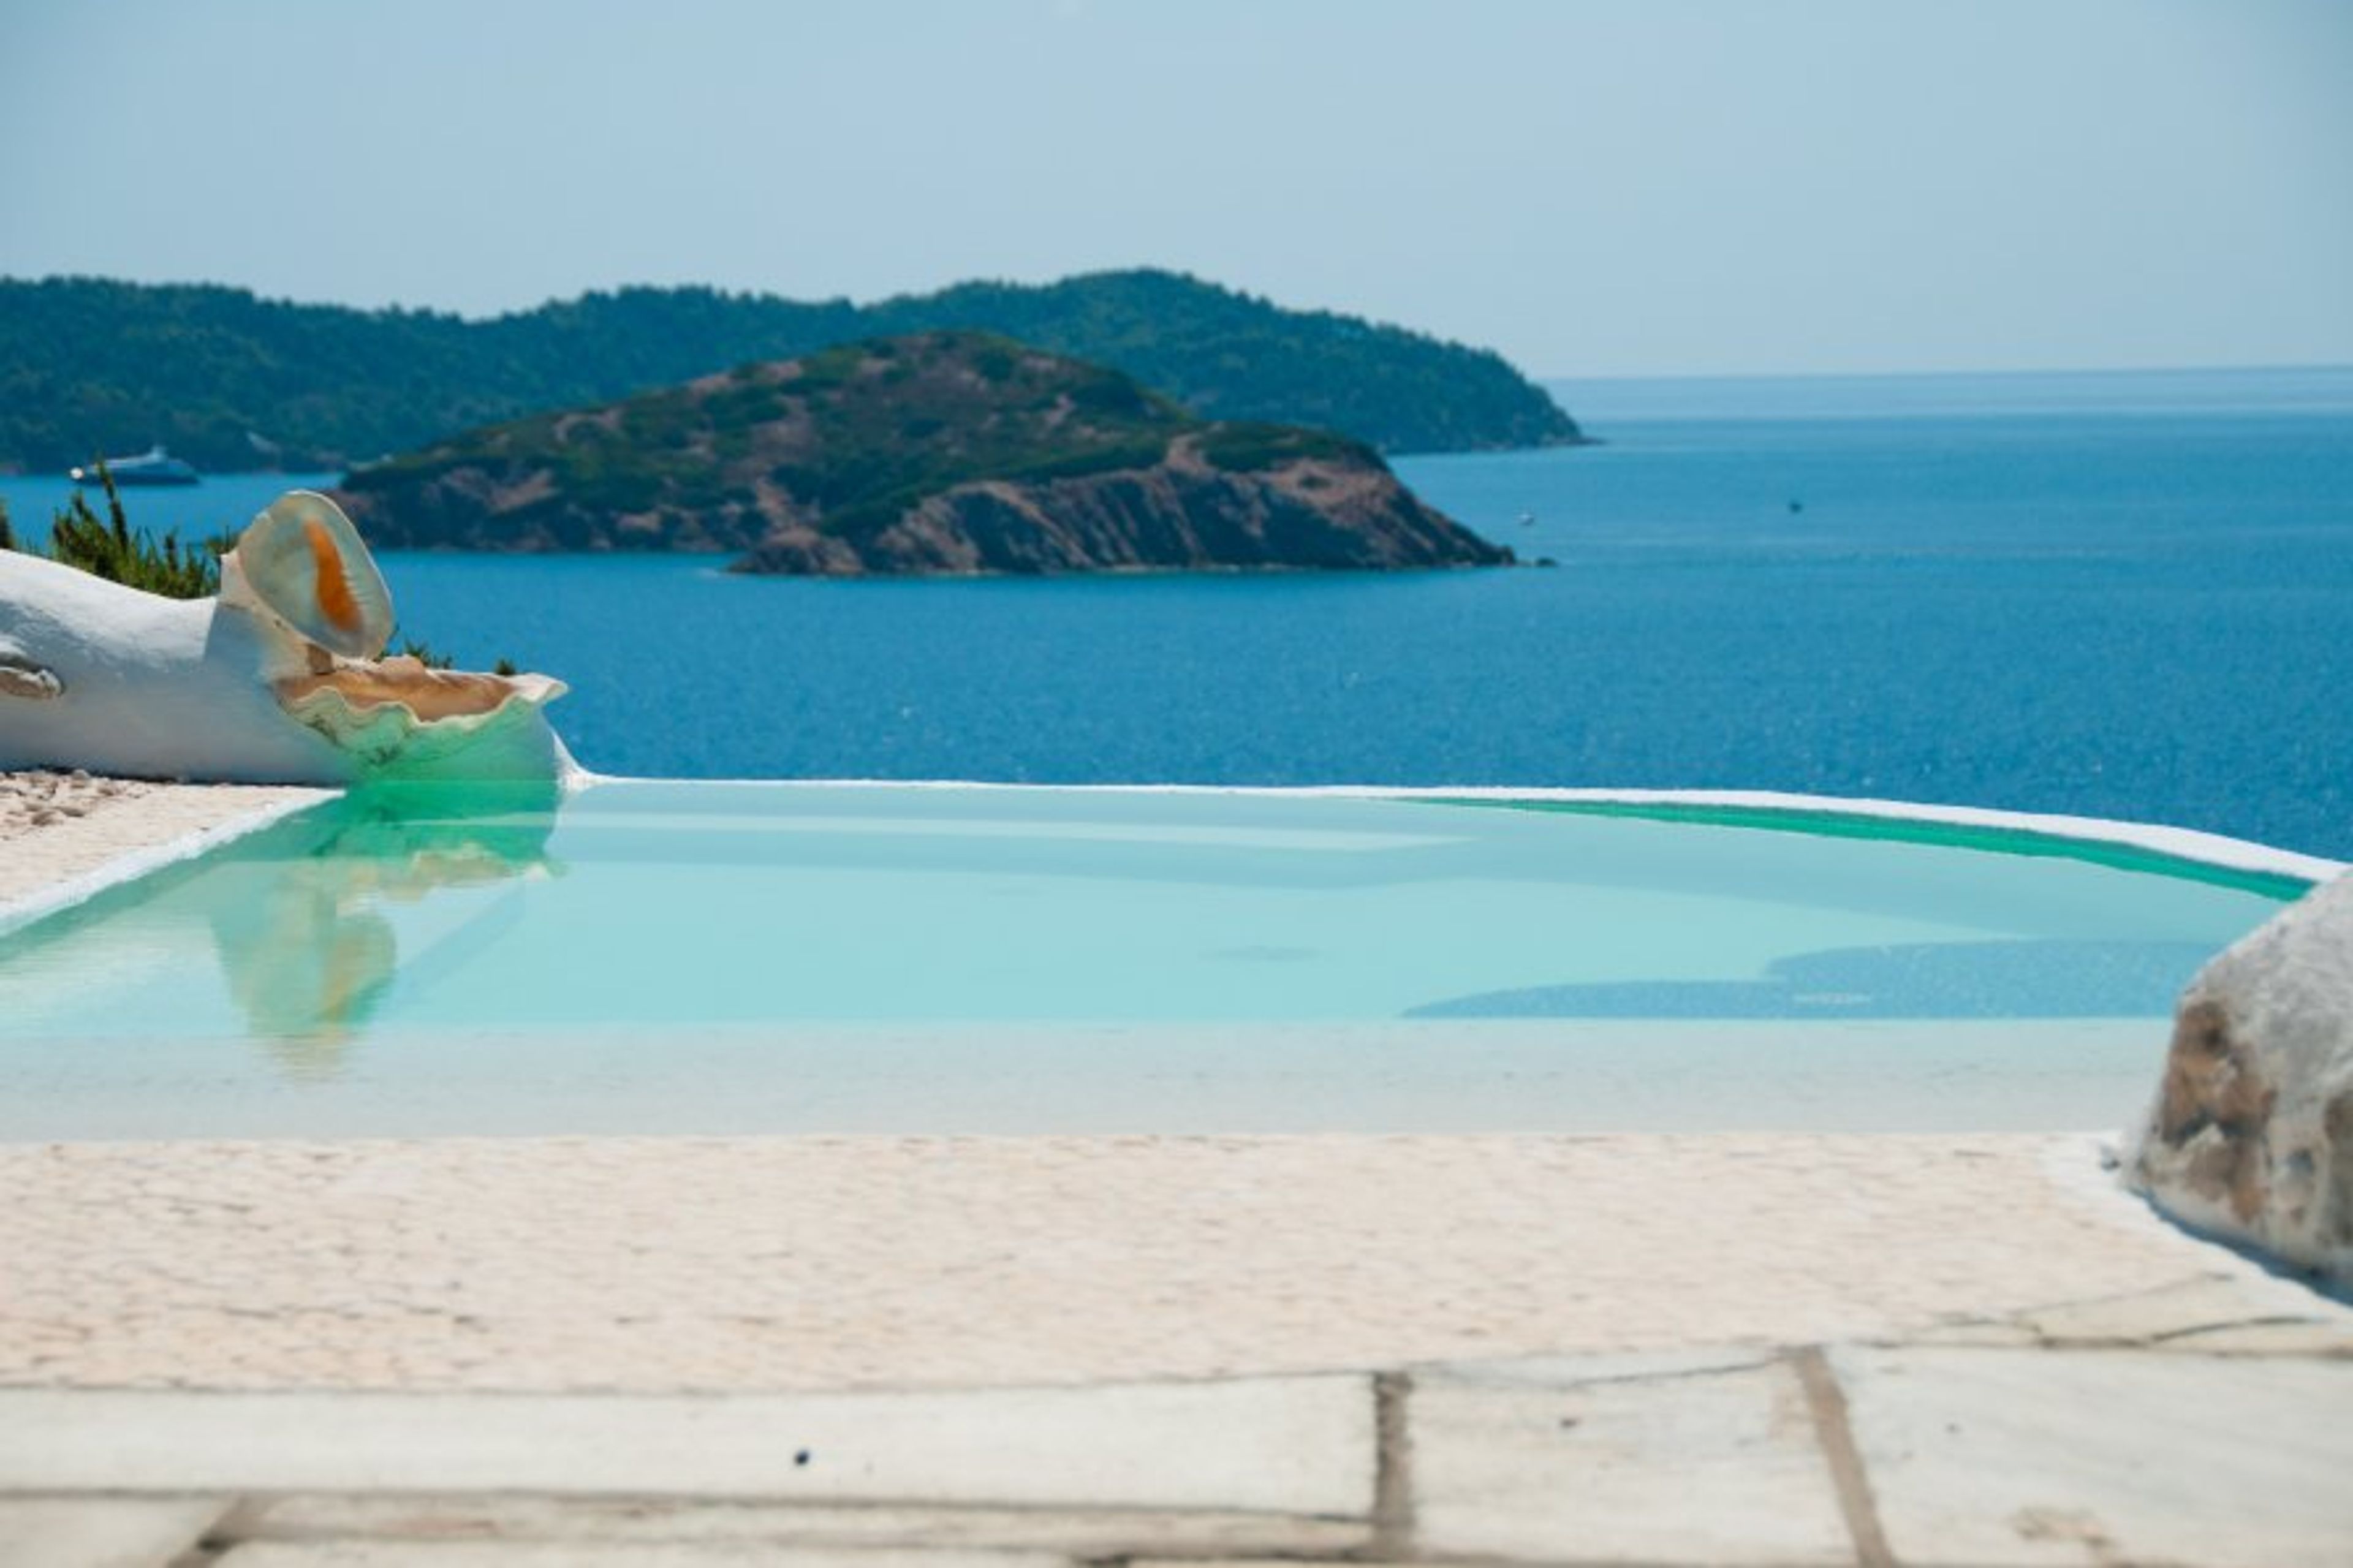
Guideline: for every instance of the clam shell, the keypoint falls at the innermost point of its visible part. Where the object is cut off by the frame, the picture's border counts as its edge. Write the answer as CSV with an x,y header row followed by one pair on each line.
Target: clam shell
x,y
303,562
399,720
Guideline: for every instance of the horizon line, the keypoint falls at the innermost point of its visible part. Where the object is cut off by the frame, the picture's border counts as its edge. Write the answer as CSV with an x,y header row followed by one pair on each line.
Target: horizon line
x,y
1953,373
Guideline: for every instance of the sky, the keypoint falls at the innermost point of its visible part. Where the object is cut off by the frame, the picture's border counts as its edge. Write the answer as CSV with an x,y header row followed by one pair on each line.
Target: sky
x,y
1591,187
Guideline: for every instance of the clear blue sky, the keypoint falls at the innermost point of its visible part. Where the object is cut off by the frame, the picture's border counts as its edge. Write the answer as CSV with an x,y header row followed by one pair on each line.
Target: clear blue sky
x,y
1631,187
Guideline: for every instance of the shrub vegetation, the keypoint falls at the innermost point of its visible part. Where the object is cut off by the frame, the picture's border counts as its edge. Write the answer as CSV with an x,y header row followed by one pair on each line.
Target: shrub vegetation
x,y
108,547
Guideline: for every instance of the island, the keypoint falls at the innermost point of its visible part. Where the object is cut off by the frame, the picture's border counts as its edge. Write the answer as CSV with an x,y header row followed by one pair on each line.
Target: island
x,y
937,453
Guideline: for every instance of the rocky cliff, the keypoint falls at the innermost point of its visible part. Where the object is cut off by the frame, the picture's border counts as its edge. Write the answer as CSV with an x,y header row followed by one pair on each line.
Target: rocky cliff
x,y
1180,513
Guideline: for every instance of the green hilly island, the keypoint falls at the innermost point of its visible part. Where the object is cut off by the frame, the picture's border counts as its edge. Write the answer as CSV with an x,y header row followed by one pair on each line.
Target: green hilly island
x,y
232,381
947,452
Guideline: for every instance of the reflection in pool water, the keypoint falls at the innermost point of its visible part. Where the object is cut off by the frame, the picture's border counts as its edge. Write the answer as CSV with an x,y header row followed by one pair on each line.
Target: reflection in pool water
x,y
694,956
310,955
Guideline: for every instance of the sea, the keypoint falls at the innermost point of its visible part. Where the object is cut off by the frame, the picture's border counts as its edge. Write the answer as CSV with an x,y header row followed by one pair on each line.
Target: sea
x,y
2117,594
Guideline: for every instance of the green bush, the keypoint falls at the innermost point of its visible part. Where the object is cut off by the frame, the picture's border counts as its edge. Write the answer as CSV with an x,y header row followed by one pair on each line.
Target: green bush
x,y
1248,448
1108,459
106,547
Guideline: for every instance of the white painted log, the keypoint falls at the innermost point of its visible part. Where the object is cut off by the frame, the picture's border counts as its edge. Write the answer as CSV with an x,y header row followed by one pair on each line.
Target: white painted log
x,y
277,681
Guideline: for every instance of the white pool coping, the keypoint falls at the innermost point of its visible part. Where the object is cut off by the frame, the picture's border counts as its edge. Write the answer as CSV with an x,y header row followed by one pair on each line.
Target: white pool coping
x,y
2181,843
138,857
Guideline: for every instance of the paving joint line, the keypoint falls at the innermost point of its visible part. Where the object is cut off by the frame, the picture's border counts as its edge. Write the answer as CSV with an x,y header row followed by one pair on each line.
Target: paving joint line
x,y
244,1521
1834,1435
1393,1531
217,1538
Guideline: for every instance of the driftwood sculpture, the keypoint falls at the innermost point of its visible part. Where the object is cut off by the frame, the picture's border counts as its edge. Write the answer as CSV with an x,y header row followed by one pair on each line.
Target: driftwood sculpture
x,y
280,680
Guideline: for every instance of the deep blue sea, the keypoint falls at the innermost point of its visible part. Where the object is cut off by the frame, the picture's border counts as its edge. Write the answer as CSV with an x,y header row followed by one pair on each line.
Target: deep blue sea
x,y
2125,596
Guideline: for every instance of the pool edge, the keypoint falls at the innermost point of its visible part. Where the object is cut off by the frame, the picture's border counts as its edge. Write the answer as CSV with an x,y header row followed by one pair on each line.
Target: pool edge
x,y
2182,844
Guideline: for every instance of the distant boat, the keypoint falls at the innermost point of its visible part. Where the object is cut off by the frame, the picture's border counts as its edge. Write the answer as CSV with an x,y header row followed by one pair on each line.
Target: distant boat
x,y
1528,519
152,467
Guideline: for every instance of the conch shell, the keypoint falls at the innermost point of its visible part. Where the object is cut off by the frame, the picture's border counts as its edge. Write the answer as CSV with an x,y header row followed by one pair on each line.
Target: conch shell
x,y
302,563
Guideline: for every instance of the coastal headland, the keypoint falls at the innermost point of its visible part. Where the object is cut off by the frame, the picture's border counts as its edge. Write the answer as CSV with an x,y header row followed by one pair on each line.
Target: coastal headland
x,y
944,453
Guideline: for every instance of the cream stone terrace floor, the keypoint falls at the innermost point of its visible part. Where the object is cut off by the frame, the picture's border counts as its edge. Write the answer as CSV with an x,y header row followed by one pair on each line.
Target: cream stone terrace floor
x,y
1929,1455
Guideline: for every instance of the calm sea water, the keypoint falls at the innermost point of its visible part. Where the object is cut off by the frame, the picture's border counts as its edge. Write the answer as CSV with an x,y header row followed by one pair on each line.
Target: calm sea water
x,y
2122,595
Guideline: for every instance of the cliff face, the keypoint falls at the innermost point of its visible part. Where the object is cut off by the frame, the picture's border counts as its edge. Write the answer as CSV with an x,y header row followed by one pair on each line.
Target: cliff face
x,y
1177,515
946,453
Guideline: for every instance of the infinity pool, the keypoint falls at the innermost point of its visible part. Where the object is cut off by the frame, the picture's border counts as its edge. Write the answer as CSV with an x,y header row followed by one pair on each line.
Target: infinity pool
x,y
707,957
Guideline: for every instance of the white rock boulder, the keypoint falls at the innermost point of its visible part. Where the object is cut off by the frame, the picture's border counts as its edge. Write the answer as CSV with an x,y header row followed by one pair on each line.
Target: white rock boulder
x,y
2251,1137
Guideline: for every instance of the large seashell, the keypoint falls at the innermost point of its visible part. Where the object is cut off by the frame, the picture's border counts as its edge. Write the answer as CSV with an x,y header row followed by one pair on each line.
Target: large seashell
x,y
303,562
399,719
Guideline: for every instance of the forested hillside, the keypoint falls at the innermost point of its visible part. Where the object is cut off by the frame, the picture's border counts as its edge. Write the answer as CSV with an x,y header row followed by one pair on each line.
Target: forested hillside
x,y
229,381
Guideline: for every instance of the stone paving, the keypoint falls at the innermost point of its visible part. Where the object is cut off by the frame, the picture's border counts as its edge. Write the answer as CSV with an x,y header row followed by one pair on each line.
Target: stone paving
x,y
1856,1454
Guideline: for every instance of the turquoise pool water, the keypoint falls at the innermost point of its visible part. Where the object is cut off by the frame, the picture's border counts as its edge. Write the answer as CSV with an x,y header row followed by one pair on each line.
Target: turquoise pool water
x,y
668,956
